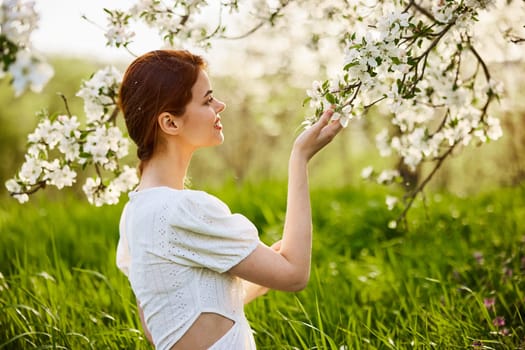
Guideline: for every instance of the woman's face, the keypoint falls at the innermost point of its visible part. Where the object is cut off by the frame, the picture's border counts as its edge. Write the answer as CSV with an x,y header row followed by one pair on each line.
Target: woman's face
x,y
201,125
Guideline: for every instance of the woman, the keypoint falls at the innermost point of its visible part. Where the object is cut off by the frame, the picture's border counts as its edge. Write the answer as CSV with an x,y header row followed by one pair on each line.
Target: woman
x,y
192,264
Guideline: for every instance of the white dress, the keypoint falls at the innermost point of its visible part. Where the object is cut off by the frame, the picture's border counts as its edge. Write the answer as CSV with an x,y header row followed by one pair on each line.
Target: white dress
x,y
175,247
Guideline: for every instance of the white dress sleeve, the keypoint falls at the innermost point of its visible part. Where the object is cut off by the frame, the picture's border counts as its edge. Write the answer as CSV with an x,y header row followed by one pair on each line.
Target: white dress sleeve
x,y
206,234
123,256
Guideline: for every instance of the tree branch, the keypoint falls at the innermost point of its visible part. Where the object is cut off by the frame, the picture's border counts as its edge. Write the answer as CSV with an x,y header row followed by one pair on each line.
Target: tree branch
x,y
412,196
65,104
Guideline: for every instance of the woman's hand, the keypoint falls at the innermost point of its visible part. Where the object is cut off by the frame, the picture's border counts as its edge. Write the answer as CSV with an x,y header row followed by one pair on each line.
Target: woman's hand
x,y
313,139
276,246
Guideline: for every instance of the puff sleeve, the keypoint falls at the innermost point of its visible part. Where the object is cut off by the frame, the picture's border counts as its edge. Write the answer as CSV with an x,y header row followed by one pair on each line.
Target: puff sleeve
x,y
204,233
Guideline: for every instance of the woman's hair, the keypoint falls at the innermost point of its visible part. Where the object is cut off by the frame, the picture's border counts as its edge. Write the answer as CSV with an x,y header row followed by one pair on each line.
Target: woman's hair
x,y
158,81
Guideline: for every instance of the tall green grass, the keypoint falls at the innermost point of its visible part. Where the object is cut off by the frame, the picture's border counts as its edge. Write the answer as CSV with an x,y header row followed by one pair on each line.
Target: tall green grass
x,y
429,285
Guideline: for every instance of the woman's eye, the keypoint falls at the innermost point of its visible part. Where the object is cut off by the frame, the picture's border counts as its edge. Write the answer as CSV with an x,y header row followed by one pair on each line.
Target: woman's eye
x,y
210,100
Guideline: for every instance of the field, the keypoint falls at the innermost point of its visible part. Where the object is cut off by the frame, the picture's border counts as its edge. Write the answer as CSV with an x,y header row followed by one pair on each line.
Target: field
x,y
454,278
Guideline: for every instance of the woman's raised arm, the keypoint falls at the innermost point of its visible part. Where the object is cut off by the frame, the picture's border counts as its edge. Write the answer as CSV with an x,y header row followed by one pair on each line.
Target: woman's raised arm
x,y
289,269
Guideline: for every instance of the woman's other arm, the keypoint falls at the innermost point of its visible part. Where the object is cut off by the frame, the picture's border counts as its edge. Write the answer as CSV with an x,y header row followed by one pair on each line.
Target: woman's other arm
x,y
252,290
143,323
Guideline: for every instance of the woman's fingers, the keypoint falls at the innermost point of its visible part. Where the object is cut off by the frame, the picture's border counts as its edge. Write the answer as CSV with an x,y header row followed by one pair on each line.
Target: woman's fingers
x,y
329,128
335,126
276,246
319,135
325,117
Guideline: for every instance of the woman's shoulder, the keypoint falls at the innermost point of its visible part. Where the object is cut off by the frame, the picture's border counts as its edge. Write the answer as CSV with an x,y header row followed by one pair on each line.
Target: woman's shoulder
x,y
204,200
174,197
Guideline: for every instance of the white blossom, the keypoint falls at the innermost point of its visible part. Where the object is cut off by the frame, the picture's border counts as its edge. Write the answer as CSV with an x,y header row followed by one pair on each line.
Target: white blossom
x,y
68,126
392,224
111,194
18,20
367,172
443,14
342,118
90,189
412,156
118,34
13,186
99,195
43,129
70,148
31,170
494,130
127,179
61,176
382,143
99,94
37,150
22,198
387,176
29,72
391,202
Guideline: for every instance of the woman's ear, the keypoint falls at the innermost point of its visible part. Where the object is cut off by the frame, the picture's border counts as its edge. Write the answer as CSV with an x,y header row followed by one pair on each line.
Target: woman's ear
x,y
169,123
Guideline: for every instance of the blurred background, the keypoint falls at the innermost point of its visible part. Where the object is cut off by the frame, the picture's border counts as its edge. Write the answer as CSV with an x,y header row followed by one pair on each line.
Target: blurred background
x,y
263,80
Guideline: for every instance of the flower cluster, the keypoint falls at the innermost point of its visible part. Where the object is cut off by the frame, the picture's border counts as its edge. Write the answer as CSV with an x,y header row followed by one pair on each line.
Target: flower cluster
x,y
99,194
175,21
413,63
181,22
58,146
99,94
18,19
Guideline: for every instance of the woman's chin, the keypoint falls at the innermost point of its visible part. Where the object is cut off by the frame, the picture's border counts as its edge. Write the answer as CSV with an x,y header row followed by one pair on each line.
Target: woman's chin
x,y
218,141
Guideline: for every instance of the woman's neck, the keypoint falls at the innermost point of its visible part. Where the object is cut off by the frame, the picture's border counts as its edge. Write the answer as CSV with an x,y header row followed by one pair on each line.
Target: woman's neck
x,y
165,169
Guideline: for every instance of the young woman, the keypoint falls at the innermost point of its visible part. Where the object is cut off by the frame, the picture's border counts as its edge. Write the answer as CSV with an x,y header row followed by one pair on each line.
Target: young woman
x,y
192,264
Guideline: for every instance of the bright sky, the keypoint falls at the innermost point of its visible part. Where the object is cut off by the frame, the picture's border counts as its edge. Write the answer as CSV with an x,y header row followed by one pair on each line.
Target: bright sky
x,y
62,30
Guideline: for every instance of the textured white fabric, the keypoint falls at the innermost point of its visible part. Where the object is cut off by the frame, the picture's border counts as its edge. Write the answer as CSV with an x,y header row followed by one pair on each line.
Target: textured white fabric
x,y
175,247
235,338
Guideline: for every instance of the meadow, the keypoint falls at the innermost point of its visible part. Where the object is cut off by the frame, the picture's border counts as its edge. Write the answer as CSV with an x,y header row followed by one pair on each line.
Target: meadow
x,y
452,278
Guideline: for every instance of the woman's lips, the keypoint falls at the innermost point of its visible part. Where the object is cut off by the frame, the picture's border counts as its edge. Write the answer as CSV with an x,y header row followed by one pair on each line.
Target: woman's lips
x,y
218,125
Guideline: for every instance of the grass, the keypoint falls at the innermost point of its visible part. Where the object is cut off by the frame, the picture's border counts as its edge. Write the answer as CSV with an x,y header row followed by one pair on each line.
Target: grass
x,y
425,286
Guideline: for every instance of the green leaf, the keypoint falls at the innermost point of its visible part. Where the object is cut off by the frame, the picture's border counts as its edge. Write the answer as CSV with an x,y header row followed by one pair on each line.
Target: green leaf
x,y
350,65
330,98
306,100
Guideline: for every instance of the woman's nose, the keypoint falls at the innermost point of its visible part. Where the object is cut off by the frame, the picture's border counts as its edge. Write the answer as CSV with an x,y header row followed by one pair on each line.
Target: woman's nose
x,y
221,106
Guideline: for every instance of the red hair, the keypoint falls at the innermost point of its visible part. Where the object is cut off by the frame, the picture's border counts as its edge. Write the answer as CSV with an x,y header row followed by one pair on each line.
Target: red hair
x,y
158,81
